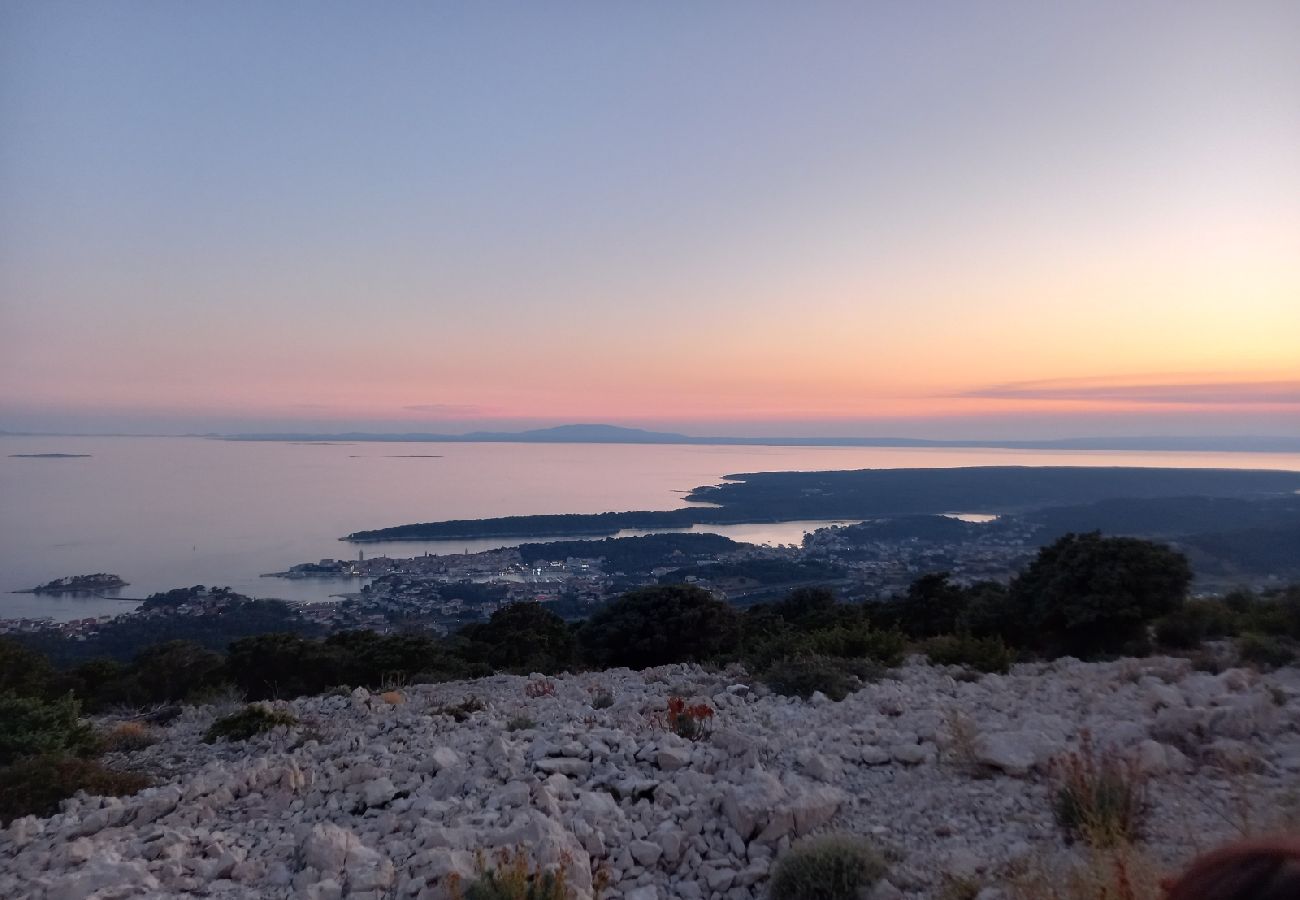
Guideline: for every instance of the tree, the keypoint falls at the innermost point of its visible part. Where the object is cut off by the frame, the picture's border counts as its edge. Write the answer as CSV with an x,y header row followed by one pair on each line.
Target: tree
x,y
932,605
373,660
653,626
1087,594
810,608
522,637
176,669
282,665
23,671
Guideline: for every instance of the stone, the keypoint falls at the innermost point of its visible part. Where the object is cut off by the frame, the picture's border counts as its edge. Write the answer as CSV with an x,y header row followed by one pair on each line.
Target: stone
x,y
646,853
563,765
1013,753
672,758
326,848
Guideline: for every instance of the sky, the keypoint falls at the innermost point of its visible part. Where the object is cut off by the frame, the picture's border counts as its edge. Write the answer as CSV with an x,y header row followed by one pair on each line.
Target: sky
x,y
940,219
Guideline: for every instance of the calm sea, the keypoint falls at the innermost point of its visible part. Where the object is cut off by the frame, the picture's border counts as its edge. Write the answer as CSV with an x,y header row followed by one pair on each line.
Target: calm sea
x,y
173,512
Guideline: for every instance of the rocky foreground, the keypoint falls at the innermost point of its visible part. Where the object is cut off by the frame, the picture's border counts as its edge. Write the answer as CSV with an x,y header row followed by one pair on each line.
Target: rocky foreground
x,y
390,795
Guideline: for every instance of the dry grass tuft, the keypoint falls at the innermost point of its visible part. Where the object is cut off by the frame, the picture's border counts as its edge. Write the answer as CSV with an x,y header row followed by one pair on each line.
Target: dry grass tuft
x,y
393,698
1120,873
127,736
1099,797
961,739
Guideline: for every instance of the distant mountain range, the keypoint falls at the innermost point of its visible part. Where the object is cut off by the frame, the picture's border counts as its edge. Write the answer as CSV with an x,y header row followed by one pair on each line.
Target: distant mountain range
x,y
614,434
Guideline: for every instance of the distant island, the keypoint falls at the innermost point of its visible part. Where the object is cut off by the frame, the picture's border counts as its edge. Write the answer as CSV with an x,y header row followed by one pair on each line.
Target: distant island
x,y
614,434
79,584
49,455
873,493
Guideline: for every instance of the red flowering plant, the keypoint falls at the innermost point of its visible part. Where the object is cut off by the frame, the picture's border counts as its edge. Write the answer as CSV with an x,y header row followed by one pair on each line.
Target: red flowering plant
x,y
690,722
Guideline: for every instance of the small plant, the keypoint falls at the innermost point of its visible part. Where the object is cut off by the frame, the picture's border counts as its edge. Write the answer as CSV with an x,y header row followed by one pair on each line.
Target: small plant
x,y
520,723
803,675
127,736
513,878
690,722
539,688
960,746
463,710
959,887
1099,798
602,700
981,654
36,785
249,721
827,867
1264,651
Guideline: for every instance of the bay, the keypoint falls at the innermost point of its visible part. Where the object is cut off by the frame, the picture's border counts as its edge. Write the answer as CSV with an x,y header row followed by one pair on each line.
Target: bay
x,y
168,512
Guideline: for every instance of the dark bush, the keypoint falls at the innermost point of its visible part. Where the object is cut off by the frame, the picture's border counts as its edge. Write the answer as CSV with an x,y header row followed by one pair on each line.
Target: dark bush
x,y
1265,651
1276,613
1086,594
1197,622
981,654
31,726
655,626
249,721
35,786
801,676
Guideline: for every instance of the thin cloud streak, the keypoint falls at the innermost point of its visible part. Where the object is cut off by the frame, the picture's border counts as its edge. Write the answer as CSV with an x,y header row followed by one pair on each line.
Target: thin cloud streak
x,y
450,409
1269,392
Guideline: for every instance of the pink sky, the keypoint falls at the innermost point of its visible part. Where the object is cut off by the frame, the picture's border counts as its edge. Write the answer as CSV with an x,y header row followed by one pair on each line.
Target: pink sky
x,y
1024,219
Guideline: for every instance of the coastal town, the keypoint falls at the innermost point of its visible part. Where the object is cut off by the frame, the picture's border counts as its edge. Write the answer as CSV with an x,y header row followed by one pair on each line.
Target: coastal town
x,y
441,593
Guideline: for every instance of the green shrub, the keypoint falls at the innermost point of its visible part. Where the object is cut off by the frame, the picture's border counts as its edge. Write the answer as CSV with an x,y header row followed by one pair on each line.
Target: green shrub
x,y
827,867
249,721
858,642
1196,622
30,726
801,676
520,723
514,879
34,786
1276,613
602,700
1099,797
1265,651
981,654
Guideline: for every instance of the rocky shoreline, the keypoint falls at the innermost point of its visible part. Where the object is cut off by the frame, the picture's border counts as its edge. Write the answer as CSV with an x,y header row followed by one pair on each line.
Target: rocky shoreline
x,y
387,795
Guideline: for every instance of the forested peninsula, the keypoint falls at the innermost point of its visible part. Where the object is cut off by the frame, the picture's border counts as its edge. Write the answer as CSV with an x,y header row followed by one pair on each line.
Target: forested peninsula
x,y
872,493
